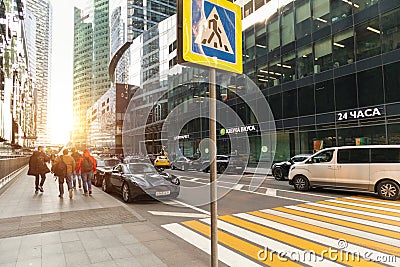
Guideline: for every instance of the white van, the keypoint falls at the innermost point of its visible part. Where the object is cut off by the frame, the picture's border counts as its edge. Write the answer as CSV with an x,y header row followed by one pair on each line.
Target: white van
x,y
362,168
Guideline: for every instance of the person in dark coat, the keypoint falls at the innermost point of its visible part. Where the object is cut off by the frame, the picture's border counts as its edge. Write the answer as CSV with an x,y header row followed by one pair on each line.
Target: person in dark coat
x,y
38,167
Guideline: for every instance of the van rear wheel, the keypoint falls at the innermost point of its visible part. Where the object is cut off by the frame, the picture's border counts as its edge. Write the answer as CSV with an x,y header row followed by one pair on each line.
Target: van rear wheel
x,y
301,183
388,190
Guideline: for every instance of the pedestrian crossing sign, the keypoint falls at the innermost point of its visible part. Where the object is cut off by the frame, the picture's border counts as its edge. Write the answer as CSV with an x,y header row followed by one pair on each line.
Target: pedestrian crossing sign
x,y
210,34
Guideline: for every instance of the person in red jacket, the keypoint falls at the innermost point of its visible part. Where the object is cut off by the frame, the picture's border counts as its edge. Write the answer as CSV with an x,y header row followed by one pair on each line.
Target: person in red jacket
x,y
87,166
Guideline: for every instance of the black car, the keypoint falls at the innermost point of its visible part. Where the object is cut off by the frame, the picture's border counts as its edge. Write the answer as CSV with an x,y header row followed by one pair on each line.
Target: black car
x,y
280,170
224,163
136,181
182,163
103,165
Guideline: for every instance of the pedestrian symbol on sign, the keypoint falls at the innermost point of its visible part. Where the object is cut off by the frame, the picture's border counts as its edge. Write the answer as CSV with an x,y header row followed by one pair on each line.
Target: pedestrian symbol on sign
x,y
213,34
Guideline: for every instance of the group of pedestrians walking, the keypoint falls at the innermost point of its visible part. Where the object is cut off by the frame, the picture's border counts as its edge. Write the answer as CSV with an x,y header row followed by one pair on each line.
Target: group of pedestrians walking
x,y
72,169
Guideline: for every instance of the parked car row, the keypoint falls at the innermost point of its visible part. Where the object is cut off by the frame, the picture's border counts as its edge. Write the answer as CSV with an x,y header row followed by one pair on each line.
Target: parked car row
x,y
224,163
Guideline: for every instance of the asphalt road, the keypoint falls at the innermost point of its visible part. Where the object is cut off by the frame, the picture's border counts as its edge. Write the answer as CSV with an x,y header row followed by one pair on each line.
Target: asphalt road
x,y
181,220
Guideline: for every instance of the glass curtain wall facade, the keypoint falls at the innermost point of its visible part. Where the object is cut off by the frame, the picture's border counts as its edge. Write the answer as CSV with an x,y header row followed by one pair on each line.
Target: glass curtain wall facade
x,y
329,70
42,11
83,74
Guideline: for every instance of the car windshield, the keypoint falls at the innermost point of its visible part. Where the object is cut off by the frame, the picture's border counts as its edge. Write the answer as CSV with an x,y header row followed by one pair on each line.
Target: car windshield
x,y
300,158
141,168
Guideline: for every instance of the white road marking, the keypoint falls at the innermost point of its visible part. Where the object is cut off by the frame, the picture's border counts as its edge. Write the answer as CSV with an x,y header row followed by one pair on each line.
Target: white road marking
x,y
328,241
191,207
334,227
225,255
261,187
374,201
178,214
271,244
237,186
348,218
383,216
258,193
271,192
364,206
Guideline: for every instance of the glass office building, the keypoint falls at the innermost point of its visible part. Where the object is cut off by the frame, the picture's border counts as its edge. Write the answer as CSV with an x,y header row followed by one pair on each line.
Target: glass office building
x,y
329,70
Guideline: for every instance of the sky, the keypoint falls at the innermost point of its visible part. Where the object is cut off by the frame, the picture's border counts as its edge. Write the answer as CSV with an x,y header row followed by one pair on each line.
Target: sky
x,y
60,97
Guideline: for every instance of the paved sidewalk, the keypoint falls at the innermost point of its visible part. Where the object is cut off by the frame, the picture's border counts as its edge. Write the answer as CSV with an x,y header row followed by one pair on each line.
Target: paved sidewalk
x,y
43,230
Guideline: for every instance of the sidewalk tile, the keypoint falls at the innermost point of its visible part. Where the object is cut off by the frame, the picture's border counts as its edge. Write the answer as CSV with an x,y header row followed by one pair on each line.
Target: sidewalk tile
x,y
137,249
68,236
31,263
72,246
127,239
54,260
99,255
51,250
119,252
77,258
128,262
29,253
149,260
51,238
93,244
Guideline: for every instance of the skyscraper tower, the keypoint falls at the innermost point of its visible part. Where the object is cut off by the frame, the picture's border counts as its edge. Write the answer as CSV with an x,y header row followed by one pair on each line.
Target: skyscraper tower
x,y
42,11
83,74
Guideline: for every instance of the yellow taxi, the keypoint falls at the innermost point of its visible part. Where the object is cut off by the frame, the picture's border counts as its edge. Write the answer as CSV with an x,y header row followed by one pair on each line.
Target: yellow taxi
x,y
162,162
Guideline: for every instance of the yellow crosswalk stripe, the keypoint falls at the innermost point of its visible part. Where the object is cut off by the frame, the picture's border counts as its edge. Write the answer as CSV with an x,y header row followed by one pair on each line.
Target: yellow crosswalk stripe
x,y
294,241
357,226
244,247
370,204
358,208
330,233
349,214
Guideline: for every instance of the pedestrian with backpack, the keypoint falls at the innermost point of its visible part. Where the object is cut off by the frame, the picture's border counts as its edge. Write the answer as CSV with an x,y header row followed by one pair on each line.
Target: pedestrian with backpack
x,y
64,168
76,175
87,166
38,167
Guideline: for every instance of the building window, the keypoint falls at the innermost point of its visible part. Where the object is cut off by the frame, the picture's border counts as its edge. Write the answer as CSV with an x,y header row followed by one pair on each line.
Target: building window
x,y
391,31
249,45
290,104
392,82
261,39
258,4
304,61
370,87
343,48
303,20
288,67
321,16
324,97
275,72
340,9
248,8
346,92
363,4
306,101
275,103
273,35
287,28
368,39
323,55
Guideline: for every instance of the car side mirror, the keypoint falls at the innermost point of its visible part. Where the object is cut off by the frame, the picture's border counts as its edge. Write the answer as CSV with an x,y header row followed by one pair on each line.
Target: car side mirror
x,y
309,161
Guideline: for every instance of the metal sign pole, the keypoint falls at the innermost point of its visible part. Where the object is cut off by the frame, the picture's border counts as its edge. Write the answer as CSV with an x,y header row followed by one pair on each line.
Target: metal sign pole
x,y
213,170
